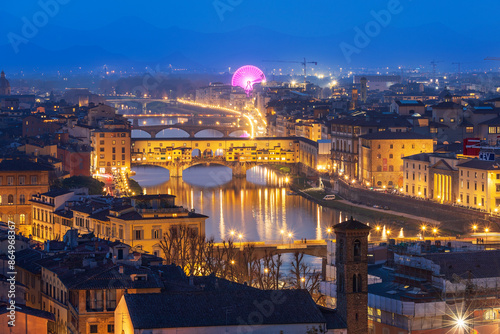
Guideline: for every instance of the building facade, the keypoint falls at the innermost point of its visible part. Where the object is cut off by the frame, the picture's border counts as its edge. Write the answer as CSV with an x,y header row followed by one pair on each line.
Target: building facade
x,y
381,156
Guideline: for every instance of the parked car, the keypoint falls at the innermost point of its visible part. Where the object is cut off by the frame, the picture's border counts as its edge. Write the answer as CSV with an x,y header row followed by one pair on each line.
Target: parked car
x,y
329,197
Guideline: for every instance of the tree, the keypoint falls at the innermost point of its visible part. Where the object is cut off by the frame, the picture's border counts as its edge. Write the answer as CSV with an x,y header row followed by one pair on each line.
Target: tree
x,y
94,186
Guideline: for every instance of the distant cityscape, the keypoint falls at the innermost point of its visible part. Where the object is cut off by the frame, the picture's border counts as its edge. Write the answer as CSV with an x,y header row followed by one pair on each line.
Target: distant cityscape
x,y
262,167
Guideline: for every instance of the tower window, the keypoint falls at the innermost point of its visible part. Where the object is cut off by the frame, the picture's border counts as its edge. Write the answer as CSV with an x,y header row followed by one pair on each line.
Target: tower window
x,y
357,249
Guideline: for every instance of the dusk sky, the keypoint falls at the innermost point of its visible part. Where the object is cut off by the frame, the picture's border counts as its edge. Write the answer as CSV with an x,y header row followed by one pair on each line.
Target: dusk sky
x,y
188,33
293,16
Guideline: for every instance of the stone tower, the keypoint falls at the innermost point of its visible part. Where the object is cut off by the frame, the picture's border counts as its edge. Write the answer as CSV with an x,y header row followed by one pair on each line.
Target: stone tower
x,y
351,260
364,89
4,84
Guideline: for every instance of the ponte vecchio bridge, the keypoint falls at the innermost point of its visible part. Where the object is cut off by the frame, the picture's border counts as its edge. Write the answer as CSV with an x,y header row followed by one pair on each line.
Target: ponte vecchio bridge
x,y
192,128
240,154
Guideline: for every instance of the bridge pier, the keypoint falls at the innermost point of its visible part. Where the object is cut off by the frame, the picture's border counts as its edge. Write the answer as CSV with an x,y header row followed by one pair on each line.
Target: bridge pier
x,y
175,170
135,122
240,170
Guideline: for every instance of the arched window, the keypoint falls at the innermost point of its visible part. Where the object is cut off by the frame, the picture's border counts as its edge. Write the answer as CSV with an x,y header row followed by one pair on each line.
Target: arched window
x,y
341,251
38,230
356,283
10,199
357,249
22,199
22,219
391,168
391,183
379,183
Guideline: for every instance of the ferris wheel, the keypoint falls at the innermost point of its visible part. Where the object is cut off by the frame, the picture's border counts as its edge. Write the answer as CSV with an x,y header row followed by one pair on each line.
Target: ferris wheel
x,y
247,76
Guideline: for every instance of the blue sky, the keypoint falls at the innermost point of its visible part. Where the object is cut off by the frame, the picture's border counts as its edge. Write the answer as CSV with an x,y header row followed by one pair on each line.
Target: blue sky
x,y
304,18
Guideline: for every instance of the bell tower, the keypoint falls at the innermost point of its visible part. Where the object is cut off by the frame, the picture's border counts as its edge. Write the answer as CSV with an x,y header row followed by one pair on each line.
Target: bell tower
x,y
351,261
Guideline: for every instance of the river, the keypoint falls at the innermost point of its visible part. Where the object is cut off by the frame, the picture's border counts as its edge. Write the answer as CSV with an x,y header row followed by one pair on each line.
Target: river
x,y
258,207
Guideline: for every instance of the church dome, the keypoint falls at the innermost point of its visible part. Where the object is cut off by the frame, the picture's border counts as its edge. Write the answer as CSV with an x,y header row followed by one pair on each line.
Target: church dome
x,y
4,85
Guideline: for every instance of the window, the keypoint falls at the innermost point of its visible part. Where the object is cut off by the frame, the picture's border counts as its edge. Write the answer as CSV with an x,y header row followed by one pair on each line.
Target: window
x,y
433,130
138,234
34,179
391,168
111,328
379,168
22,199
469,129
110,300
10,180
379,156
392,146
93,329
123,149
114,150
357,250
101,142
114,142
22,219
10,200
441,120
101,149
156,233
356,283
492,129
22,180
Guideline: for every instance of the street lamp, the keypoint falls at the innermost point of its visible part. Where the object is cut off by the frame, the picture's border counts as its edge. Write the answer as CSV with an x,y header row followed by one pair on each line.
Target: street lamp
x,y
282,234
423,228
474,228
240,236
434,231
329,231
290,238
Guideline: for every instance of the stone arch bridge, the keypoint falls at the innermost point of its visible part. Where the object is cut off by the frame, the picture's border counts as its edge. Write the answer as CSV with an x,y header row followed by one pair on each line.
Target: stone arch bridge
x,y
191,128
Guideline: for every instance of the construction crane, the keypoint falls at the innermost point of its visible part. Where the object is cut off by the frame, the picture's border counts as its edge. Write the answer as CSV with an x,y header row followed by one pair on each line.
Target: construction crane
x,y
304,63
459,72
434,64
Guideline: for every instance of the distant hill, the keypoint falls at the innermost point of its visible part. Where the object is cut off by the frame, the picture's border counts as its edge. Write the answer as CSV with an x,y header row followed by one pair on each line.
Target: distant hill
x,y
134,42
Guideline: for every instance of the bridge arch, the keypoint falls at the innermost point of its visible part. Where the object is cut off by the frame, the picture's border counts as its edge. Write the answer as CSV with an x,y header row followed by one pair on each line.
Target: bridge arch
x,y
209,133
208,153
137,133
239,133
196,153
172,131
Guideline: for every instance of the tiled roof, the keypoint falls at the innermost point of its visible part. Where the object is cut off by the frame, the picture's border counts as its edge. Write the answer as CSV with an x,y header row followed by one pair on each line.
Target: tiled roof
x,y
389,135
109,277
56,192
28,310
22,165
482,264
220,308
351,224
481,164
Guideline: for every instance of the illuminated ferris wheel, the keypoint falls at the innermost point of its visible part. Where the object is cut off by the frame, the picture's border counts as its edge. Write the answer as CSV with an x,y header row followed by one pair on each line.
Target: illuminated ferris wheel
x,y
247,76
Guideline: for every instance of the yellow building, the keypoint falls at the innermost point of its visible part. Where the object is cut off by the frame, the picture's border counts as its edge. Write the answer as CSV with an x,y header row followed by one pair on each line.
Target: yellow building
x,y
143,224
432,176
381,156
111,149
19,181
49,221
293,149
479,185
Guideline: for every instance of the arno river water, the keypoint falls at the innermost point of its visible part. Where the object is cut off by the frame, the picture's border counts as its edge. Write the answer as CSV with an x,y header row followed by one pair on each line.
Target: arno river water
x,y
258,207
